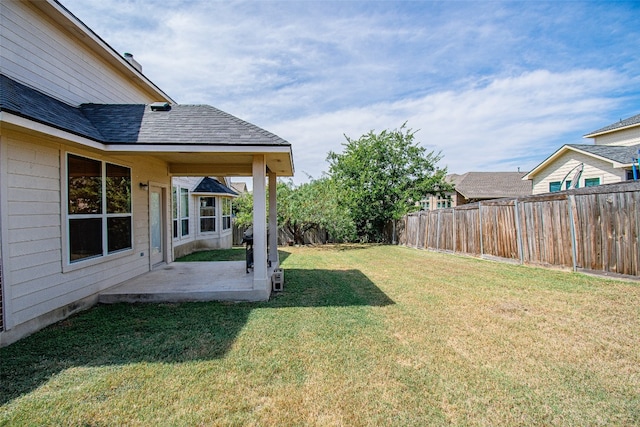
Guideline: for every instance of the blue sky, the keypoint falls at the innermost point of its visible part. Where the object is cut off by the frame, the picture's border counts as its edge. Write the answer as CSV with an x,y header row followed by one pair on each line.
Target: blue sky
x,y
493,86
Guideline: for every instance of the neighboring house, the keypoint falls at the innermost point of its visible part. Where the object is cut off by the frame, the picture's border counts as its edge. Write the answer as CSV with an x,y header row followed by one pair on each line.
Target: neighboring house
x,y
201,214
239,187
88,149
608,160
477,186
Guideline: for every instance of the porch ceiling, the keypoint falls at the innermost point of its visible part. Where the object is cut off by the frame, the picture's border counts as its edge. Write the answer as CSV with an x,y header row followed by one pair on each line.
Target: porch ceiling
x,y
221,164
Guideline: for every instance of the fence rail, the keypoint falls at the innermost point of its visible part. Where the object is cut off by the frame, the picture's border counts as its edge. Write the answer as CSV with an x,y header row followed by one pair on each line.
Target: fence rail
x,y
588,229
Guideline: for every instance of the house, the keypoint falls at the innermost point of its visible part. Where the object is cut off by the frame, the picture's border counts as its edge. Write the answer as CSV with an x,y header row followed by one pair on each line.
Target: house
x,y
201,214
477,186
88,149
608,160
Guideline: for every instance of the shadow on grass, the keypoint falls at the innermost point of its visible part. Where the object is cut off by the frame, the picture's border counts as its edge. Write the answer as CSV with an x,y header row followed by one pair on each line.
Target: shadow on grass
x,y
168,333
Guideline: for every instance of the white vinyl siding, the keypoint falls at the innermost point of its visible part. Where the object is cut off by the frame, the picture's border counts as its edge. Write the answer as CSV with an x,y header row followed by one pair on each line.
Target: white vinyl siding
x,y
36,272
46,56
626,137
593,168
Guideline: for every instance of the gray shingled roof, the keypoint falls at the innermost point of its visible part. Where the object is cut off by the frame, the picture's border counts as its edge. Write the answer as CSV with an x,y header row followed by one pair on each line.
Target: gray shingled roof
x,y
211,185
134,123
619,154
621,124
31,104
491,185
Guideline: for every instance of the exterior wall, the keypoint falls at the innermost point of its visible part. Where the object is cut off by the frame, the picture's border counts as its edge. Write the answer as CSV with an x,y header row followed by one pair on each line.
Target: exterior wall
x,y
626,137
40,287
196,241
46,56
593,168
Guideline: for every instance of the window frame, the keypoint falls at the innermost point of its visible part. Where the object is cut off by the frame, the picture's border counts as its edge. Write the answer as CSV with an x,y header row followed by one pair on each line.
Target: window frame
x,y
104,216
555,186
226,217
214,216
178,221
592,180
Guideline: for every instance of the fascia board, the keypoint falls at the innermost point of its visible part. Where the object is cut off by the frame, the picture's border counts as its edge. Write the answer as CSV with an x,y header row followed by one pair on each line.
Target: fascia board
x,y
545,163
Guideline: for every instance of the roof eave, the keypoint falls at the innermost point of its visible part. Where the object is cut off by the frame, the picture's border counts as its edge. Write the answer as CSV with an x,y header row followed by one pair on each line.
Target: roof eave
x,y
617,129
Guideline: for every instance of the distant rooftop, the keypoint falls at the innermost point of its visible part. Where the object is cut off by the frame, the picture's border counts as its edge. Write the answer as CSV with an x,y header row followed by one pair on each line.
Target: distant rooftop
x,y
631,121
491,185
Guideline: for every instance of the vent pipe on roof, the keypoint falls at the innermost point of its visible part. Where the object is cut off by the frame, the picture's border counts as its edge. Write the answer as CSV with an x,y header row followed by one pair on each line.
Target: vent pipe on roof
x,y
129,58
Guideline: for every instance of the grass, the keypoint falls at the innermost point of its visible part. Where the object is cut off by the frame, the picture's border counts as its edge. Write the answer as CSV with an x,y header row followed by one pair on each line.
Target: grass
x,y
362,335
233,254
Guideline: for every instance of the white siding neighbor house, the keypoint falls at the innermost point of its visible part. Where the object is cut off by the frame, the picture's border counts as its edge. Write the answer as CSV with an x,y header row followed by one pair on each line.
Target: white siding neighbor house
x,y
88,150
608,160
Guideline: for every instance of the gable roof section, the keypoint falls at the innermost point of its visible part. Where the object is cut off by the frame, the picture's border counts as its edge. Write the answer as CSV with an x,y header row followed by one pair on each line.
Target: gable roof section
x,y
619,156
491,185
622,124
211,185
134,123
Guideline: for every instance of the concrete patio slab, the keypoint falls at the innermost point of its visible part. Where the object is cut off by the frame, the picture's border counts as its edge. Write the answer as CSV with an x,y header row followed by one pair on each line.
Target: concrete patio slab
x,y
188,281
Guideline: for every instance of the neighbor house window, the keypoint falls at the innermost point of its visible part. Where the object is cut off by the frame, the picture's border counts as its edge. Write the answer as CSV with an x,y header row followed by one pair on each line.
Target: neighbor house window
x,y
591,182
99,208
226,214
555,186
180,212
207,214
443,203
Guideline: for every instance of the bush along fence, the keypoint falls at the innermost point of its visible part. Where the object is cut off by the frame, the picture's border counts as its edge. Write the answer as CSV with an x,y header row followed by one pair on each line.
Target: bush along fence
x,y
595,229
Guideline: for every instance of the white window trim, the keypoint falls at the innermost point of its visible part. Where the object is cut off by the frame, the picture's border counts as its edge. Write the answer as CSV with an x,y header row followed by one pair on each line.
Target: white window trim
x,y
180,218
222,216
216,217
67,265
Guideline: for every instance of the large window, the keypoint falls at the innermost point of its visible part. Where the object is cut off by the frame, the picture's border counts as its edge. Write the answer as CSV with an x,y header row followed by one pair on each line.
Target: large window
x,y
226,214
180,212
207,214
99,208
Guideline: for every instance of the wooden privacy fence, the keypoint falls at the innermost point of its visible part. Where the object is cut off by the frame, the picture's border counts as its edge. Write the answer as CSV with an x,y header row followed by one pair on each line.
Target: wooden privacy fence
x,y
592,229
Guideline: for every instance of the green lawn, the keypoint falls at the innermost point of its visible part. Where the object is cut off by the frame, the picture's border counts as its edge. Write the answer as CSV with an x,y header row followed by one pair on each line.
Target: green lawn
x,y
362,335
233,254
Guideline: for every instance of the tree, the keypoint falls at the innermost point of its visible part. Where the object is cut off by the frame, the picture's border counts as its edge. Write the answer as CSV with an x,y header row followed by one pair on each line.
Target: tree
x,y
313,206
310,206
381,176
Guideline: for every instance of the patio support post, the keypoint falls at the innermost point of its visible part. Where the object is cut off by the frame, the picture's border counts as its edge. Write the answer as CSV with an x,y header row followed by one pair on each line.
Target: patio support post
x,y
260,282
273,221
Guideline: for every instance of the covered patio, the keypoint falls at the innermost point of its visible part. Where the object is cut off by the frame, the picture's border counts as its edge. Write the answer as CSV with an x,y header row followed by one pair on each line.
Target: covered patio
x,y
196,141
188,281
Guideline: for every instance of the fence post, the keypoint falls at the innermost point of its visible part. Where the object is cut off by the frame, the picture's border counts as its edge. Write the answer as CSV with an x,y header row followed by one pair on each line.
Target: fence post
x,y
519,232
418,228
480,227
438,232
572,223
454,230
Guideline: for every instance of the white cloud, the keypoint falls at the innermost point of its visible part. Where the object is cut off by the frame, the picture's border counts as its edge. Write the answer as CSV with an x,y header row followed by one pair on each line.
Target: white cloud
x,y
508,123
494,86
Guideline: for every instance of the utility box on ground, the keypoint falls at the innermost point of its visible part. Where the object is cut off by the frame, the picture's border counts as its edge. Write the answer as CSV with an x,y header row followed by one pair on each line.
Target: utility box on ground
x,y
277,280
